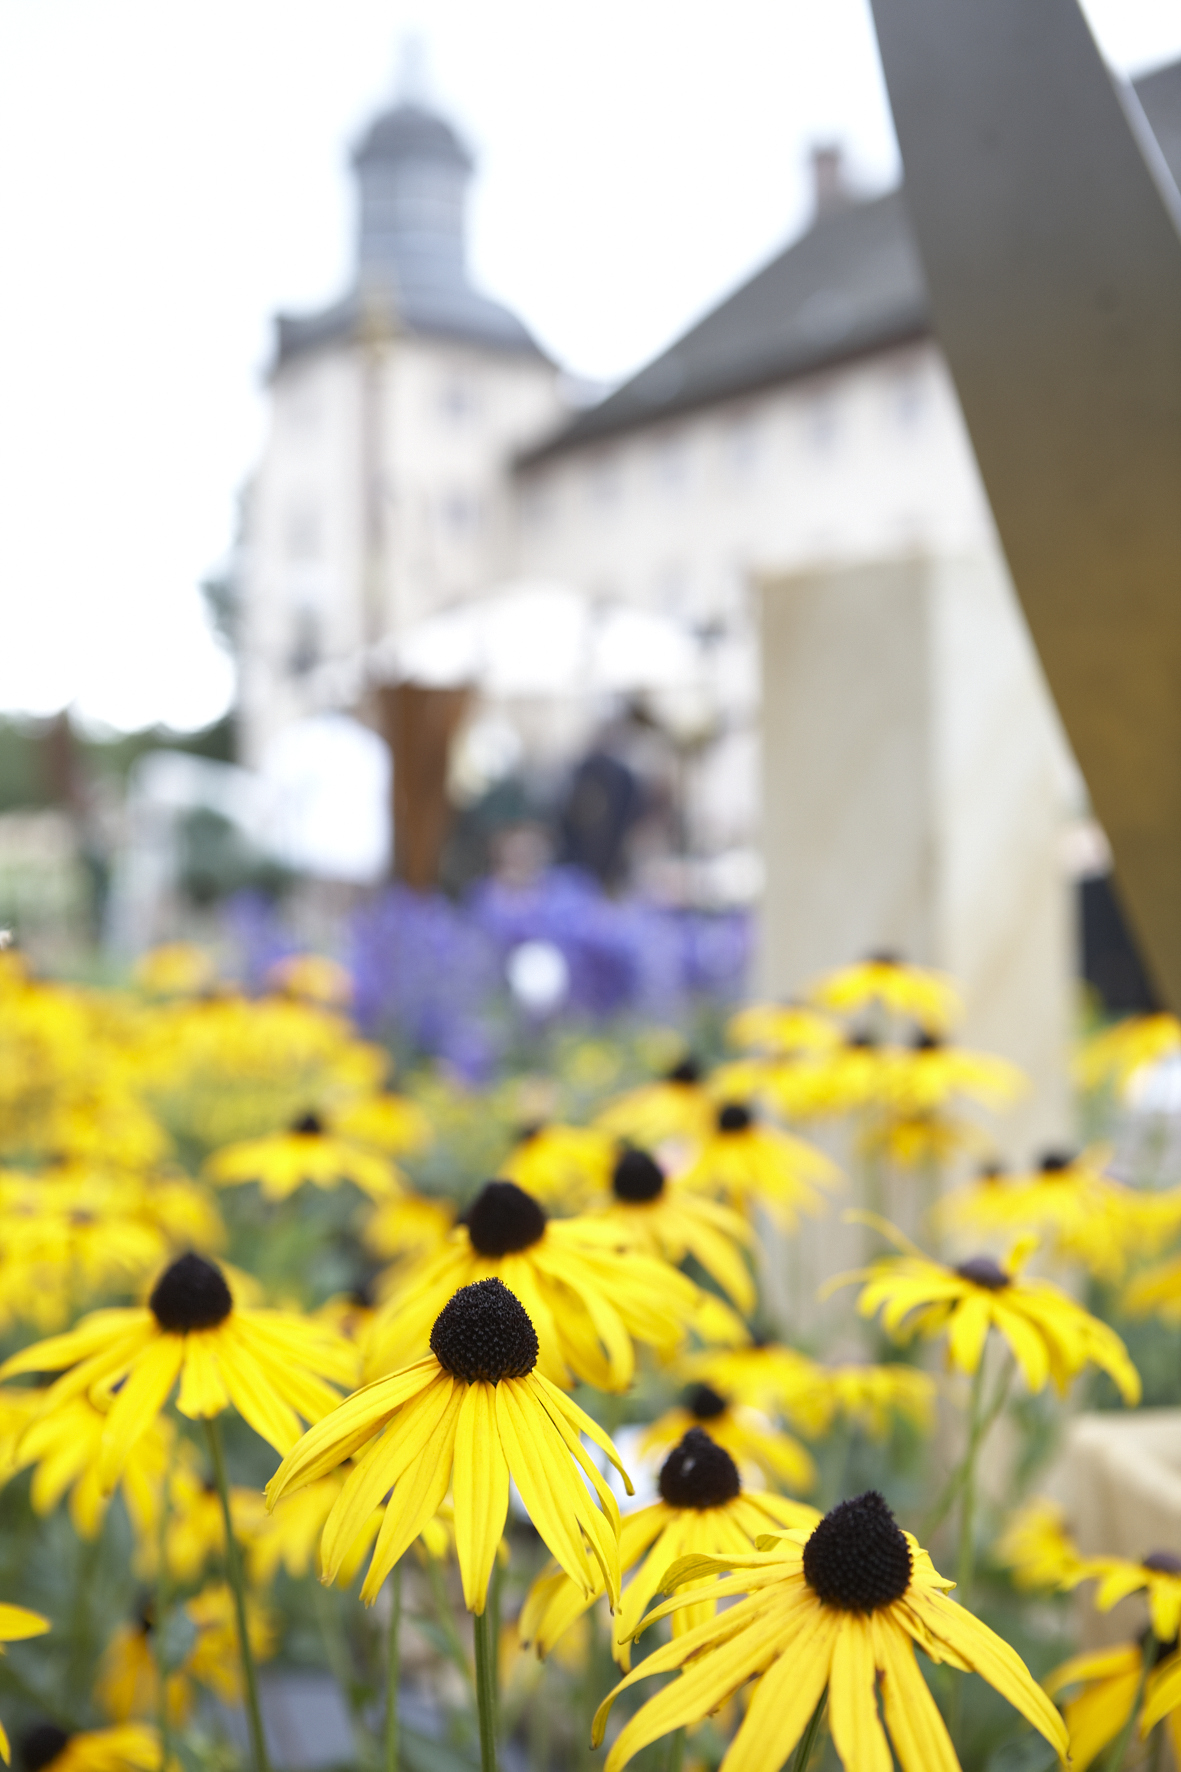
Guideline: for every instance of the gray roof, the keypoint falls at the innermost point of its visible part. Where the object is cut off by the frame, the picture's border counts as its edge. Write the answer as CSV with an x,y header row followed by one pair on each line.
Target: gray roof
x,y
412,172
852,284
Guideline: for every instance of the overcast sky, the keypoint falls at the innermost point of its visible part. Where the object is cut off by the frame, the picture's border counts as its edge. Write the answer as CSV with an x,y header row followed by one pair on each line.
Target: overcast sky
x,y
170,175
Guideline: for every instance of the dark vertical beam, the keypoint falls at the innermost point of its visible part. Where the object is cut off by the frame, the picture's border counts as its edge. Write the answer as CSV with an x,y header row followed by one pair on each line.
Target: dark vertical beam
x,y
1048,226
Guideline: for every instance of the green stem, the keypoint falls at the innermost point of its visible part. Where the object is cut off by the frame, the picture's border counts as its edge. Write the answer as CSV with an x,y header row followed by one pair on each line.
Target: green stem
x,y
959,1475
486,1647
393,1670
162,1609
238,1586
676,1750
808,1740
445,1619
1124,1739
966,1559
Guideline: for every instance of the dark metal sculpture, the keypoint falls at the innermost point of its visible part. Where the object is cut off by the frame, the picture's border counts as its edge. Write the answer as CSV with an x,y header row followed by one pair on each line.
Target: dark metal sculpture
x,y
1050,231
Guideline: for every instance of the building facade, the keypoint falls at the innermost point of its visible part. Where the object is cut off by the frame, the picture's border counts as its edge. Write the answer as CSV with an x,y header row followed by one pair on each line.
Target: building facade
x,y
384,494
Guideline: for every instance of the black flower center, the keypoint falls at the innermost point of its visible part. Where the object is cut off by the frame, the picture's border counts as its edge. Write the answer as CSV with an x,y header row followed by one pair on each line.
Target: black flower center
x,y
857,1558
699,1473
191,1294
703,1401
735,1116
41,1745
982,1270
862,1042
637,1177
884,957
503,1219
310,1125
688,1071
484,1332
1163,1563
1054,1162
924,1042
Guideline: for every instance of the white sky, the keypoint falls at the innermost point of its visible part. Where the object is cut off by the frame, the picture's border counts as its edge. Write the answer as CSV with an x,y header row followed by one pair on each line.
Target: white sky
x,y
172,174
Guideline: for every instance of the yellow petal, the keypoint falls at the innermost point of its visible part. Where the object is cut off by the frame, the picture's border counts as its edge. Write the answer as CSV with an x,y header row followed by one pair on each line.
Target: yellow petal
x,y
139,1402
202,1392
16,1623
342,1433
915,1727
853,1719
479,1490
785,1698
408,1438
993,1659
255,1400
418,1494
540,1465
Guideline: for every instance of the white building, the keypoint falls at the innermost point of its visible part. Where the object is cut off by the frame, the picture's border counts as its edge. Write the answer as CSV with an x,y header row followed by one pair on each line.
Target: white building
x,y
384,492
793,480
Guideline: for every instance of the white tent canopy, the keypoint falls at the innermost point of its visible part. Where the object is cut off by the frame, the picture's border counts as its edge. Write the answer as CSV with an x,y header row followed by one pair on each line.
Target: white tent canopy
x,y
536,637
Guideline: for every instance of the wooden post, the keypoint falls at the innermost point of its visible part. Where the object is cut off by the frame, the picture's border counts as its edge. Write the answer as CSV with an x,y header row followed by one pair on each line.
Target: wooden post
x,y
419,724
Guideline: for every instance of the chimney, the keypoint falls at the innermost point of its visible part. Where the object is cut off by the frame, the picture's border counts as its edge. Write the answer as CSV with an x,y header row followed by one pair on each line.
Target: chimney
x,y
830,189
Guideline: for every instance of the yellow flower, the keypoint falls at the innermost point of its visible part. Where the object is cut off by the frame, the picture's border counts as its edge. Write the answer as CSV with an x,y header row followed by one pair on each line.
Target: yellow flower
x,y
781,1381
196,1530
128,1682
785,1030
1088,1216
1156,1291
471,1414
677,1106
665,1219
884,981
564,1166
1049,1335
586,1304
852,1076
390,1123
16,1625
770,1377
288,1536
408,1225
702,1509
930,1073
312,978
1119,1052
64,1445
270,1365
838,1610
175,969
1036,1546
226,1069
1111,1681
127,1747
307,1153
745,1434
1158,1575
911,1141
870,1396
751,1164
